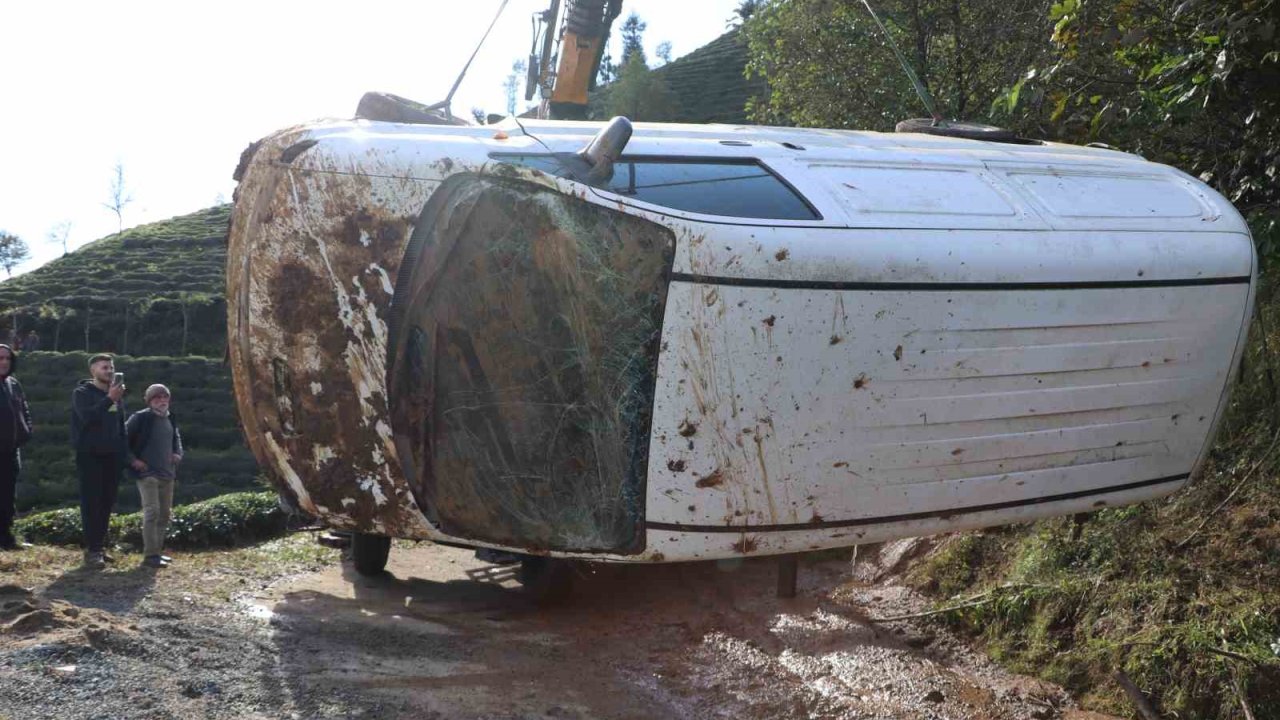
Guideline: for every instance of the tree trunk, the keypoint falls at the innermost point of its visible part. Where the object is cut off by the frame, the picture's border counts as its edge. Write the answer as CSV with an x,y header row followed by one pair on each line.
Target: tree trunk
x,y
186,321
124,343
88,316
57,334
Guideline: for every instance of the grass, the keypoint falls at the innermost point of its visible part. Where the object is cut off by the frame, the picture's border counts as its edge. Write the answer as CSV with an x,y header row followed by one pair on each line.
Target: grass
x,y
1126,590
211,575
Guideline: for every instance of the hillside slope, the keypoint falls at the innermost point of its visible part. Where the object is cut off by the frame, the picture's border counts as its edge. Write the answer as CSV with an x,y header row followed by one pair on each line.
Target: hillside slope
x,y
136,291
709,85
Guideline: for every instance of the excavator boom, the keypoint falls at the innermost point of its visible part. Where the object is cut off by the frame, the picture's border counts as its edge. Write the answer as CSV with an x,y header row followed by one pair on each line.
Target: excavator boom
x,y
586,31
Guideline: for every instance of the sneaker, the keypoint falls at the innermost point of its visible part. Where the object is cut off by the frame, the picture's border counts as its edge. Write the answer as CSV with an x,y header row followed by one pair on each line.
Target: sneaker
x,y
155,561
94,560
166,559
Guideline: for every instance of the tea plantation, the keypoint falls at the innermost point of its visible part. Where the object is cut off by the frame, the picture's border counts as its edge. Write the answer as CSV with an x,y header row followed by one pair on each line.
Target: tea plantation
x,y
216,460
155,291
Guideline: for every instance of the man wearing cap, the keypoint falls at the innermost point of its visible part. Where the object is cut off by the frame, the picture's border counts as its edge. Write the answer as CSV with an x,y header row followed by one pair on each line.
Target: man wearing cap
x,y
155,449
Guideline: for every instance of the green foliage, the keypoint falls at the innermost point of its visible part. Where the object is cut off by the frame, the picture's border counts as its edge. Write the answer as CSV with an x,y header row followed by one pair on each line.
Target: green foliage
x,y
139,291
13,251
828,65
639,93
633,40
706,85
958,566
216,459
235,519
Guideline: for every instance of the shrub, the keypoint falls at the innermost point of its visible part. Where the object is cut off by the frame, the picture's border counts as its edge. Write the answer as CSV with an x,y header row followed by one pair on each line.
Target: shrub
x,y
228,520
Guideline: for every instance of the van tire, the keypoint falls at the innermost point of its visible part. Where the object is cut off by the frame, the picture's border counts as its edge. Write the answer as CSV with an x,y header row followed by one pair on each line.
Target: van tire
x,y
369,553
546,581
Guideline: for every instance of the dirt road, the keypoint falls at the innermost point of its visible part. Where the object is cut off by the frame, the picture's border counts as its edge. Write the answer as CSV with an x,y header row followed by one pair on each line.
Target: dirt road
x,y
444,636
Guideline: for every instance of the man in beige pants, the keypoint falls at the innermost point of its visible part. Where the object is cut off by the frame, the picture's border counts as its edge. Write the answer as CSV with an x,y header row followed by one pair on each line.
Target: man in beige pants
x,y
155,449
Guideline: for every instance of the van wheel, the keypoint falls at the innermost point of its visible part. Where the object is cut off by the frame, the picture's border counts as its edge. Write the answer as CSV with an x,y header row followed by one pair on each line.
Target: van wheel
x,y
370,553
546,580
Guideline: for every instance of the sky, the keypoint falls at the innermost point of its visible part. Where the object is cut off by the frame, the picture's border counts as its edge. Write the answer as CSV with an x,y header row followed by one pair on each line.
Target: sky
x,y
174,91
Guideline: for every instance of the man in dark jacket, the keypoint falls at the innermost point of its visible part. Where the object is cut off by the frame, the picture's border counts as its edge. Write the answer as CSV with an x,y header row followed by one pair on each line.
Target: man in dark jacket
x,y
155,449
15,430
97,434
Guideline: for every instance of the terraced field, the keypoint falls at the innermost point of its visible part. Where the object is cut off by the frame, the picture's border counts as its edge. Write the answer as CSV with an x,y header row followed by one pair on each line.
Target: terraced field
x,y
136,291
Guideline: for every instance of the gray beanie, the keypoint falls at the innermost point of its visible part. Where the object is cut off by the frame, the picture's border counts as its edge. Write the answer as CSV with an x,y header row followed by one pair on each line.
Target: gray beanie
x,y
155,390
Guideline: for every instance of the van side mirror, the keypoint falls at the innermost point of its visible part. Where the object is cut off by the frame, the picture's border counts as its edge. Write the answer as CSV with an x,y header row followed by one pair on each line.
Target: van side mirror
x,y
606,147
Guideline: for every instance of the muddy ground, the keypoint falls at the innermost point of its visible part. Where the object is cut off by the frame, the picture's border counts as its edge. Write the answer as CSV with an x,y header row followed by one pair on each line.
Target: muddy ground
x,y
288,630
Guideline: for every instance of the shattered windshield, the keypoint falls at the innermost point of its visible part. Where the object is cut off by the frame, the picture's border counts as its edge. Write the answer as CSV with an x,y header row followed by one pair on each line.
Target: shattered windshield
x,y
721,186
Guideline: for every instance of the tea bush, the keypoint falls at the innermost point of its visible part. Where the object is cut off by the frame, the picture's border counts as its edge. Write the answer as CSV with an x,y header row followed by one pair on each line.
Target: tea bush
x,y
234,519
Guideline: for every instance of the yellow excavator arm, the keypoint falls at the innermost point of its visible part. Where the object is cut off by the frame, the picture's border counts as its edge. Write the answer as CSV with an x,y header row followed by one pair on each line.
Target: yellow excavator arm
x,y
585,33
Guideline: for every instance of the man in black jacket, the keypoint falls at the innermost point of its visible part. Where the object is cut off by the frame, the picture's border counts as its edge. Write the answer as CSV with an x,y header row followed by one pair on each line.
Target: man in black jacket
x,y
97,434
15,430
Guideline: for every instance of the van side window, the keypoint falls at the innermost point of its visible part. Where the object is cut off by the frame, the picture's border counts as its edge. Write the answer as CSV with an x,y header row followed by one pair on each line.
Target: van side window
x,y
720,186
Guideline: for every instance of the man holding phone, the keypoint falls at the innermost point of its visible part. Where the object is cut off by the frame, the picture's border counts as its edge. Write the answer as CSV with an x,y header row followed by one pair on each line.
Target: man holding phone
x,y
97,434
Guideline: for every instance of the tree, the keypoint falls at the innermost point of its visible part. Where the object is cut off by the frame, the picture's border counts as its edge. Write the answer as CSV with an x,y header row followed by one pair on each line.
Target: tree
x,y
512,85
119,197
640,94
744,11
829,65
88,319
13,251
188,301
59,314
663,51
136,309
59,233
633,40
608,68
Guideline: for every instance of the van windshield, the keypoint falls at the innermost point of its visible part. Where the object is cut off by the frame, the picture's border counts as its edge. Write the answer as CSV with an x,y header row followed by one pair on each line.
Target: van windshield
x,y
711,186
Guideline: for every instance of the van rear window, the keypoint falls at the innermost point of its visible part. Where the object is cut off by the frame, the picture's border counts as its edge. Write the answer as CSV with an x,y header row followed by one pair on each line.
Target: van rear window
x,y
729,187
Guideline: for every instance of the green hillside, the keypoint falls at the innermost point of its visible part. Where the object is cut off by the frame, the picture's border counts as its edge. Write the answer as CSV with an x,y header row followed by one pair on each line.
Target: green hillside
x,y
216,460
709,85
138,292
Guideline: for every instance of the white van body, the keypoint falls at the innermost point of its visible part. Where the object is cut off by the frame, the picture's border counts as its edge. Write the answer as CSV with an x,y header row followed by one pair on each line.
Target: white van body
x,y
960,334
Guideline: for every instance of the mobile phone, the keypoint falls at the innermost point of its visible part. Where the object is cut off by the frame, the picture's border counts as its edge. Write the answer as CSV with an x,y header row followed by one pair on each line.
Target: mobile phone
x,y
118,379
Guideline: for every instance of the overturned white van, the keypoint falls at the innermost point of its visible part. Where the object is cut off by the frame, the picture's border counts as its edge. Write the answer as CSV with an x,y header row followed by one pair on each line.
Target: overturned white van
x,y
729,340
